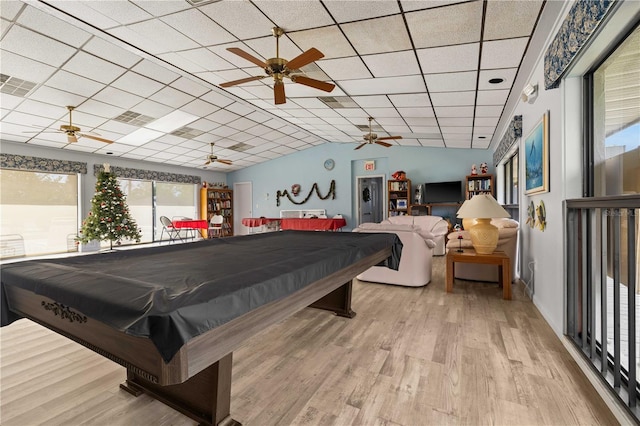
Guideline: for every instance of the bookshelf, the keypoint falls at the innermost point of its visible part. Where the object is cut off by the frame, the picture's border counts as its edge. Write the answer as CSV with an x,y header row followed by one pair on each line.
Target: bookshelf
x,y
399,196
218,201
479,184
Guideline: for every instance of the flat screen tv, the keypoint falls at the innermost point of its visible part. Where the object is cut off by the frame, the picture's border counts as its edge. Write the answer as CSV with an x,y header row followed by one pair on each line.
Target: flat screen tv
x,y
443,192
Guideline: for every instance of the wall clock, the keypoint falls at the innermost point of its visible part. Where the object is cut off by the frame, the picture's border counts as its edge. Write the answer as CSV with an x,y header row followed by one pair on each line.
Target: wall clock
x,y
329,164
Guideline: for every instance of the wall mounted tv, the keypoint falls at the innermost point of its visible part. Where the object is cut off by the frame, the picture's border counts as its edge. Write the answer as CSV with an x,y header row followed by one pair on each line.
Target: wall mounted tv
x,y
443,192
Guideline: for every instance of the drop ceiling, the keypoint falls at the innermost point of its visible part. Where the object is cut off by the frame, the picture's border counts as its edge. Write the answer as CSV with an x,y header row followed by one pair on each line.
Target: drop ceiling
x,y
421,69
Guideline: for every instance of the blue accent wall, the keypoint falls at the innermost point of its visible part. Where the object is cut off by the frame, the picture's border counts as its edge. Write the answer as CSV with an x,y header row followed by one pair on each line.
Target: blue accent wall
x,y
307,167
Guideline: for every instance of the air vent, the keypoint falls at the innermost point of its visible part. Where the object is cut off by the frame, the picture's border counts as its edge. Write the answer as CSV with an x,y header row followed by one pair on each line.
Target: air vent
x,y
374,128
134,118
337,102
187,132
240,147
15,86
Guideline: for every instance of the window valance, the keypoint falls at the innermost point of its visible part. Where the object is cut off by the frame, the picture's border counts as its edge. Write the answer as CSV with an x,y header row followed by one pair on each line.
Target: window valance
x,y
580,23
140,174
39,164
514,131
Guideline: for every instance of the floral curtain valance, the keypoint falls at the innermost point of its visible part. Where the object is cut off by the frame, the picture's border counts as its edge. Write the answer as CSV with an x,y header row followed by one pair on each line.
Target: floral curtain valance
x,y
128,173
39,164
511,135
577,28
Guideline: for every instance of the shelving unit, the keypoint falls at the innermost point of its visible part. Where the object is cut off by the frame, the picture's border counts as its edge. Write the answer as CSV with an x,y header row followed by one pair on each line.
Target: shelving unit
x,y
399,196
218,201
479,184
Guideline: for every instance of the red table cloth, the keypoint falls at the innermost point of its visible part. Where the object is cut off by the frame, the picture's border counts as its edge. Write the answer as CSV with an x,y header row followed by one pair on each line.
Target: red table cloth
x,y
190,224
323,224
254,222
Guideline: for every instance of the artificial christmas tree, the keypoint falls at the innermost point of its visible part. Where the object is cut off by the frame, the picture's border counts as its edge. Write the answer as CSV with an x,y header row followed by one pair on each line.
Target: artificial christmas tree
x,y
109,217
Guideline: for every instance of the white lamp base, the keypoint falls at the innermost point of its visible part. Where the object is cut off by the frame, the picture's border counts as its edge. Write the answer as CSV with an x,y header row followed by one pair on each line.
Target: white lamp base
x,y
484,236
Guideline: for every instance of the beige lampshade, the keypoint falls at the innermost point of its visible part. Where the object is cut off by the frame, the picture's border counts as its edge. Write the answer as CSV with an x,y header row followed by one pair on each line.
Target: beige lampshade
x,y
482,208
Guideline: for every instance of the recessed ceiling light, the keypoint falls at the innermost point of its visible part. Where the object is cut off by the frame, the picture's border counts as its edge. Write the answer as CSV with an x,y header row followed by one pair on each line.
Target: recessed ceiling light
x,y
482,137
496,80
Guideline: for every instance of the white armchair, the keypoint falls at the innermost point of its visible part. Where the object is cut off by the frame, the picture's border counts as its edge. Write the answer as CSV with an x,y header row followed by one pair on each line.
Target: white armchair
x,y
435,225
507,242
416,259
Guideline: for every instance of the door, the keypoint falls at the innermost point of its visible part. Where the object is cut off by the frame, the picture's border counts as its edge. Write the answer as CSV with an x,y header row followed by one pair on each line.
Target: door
x,y
242,206
370,198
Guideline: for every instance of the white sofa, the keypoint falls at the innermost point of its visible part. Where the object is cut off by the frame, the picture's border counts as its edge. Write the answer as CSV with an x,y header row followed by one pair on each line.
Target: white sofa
x,y
435,225
507,242
416,259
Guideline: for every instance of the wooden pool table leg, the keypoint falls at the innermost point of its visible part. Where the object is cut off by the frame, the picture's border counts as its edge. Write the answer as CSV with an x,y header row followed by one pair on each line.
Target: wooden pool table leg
x,y
338,301
205,397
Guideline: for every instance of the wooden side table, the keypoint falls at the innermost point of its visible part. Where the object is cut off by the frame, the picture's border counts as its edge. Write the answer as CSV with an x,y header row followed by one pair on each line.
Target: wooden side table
x,y
499,258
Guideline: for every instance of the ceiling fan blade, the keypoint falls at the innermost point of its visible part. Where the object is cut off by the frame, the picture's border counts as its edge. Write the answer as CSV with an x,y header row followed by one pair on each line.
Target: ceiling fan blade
x,y
249,57
386,145
242,80
227,162
207,163
389,137
72,138
85,135
278,93
360,146
305,58
316,84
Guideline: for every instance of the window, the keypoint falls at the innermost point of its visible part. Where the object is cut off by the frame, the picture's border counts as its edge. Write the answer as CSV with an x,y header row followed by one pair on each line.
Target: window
x,y
511,180
139,195
38,209
174,200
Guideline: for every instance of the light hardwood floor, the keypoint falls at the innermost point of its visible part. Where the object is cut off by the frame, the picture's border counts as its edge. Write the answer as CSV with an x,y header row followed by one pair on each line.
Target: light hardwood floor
x,y
412,356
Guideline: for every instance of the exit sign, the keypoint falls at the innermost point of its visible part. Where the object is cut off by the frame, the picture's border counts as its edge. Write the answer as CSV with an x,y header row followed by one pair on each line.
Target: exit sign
x,y
370,165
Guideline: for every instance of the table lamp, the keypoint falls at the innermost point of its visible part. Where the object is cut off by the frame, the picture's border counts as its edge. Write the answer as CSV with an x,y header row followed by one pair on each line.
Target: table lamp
x,y
484,235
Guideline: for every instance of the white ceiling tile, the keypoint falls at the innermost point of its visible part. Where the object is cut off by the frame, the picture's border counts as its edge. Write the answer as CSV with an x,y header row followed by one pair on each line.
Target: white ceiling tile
x,y
480,144
93,67
152,109
28,120
223,116
453,98
416,111
433,27
199,27
160,8
508,74
309,103
113,126
4,26
73,83
118,97
205,60
487,121
451,142
379,35
53,27
409,5
84,121
408,142
234,19
40,48
239,108
115,148
451,82
388,85
295,15
382,112
164,37
41,109
19,129
61,143
24,68
422,130
373,101
10,9
463,57
199,107
85,12
455,121
56,97
110,52
392,64
489,111
503,53
135,83
171,97
346,11
121,11
507,19
483,130
328,40
458,111
156,72
450,130
101,109
345,68
421,121
414,99
324,112
391,121
492,97
189,86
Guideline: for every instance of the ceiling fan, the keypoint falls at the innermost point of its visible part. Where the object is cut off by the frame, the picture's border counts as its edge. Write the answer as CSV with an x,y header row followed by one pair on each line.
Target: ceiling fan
x,y
371,137
280,68
73,132
212,158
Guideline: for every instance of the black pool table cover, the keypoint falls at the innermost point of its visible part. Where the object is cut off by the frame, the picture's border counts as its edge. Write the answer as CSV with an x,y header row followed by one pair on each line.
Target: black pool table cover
x,y
173,293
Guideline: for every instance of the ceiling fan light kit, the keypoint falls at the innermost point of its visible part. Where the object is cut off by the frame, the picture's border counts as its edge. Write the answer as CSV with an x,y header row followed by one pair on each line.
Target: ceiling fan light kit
x,y
74,132
279,68
212,158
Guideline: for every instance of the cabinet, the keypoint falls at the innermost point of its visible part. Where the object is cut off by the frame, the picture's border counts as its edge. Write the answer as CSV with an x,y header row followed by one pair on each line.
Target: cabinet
x,y
399,196
479,184
218,201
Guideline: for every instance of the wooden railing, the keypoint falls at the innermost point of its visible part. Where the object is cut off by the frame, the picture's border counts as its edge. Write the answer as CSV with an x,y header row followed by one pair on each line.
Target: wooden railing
x,y
602,256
